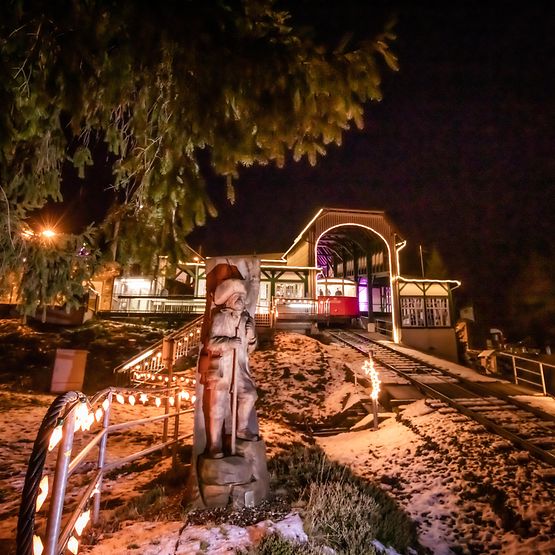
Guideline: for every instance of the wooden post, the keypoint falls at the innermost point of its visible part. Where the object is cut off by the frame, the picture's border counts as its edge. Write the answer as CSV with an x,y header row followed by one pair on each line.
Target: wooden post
x,y
234,404
167,359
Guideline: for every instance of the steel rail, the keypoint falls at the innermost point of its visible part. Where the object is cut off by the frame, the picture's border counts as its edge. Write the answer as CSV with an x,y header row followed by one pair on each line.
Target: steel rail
x,y
483,390
525,444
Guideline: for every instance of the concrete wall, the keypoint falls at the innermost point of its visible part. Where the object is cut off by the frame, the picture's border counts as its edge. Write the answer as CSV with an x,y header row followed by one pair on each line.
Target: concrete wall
x,y
440,342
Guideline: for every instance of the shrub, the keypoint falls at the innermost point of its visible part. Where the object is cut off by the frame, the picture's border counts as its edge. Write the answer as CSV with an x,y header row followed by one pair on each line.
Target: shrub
x,y
341,516
274,544
305,470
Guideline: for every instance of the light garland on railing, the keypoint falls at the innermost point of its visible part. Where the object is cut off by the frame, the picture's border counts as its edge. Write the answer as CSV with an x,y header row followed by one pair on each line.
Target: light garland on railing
x,y
153,378
85,417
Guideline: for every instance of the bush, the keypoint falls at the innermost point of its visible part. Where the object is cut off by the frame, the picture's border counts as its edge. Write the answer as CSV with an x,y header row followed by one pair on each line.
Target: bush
x,y
341,501
274,544
341,516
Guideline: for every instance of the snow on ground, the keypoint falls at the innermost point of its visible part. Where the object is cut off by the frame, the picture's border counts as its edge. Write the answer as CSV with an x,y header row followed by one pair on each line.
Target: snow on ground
x,y
468,490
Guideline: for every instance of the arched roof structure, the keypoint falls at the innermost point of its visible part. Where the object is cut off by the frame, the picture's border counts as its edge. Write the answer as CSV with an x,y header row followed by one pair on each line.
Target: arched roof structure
x,y
336,226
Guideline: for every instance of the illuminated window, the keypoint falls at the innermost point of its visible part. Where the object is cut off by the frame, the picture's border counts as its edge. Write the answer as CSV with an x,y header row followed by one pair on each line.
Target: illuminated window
x,y
412,312
381,299
435,315
437,312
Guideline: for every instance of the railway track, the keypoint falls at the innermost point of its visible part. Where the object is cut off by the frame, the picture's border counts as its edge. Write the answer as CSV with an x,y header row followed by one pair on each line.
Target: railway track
x,y
527,427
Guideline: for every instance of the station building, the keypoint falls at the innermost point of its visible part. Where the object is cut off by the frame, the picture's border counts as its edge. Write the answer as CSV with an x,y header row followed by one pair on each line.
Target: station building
x,y
343,268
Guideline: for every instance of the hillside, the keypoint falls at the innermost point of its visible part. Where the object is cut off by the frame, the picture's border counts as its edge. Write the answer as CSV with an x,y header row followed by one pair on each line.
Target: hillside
x,y
466,490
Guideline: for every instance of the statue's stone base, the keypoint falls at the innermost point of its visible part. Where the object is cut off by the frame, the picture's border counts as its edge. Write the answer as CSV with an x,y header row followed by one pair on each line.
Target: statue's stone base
x,y
241,478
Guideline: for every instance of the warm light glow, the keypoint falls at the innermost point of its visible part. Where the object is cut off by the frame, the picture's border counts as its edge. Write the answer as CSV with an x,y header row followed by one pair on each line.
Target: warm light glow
x,y
38,548
98,414
48,233
56,436
193,398
171,400
73,545
88,422
83,420
43,492
120,399
105,404
370,371
143,398
157,402
82,521
131,400
138,359
455,282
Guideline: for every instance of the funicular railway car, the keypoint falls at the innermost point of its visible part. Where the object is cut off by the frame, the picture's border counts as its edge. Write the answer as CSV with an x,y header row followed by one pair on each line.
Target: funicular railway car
x,y
337,300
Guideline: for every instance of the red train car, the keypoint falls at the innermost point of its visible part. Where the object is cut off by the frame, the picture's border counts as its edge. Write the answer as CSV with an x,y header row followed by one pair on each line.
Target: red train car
x,y
338,307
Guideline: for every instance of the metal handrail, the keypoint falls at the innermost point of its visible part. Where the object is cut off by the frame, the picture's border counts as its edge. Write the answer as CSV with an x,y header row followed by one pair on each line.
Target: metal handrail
x,y
149,360
68,414
525,374
385,327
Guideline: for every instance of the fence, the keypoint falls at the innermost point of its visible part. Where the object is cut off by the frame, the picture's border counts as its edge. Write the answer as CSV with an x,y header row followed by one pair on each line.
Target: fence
x,y
385,327
146,367
528,371
69,414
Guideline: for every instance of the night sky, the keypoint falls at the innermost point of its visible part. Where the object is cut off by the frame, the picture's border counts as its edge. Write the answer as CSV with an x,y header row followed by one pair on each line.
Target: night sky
x,y
460,153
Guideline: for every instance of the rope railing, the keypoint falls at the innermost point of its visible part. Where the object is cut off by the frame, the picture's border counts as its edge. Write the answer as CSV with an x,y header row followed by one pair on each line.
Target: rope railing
x,y
69,414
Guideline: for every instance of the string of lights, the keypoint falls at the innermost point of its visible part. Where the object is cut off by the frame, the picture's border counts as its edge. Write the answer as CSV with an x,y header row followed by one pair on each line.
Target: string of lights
x,y
85,414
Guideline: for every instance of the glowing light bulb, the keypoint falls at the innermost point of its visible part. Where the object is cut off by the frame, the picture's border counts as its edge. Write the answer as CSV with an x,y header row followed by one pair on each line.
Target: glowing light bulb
x,y
105,404
120,398
56,436
157,402
81,414
38,548
73,545
193,399
48,233
98,414
172,401
82,521
88,421
43,492
131,399
143,398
